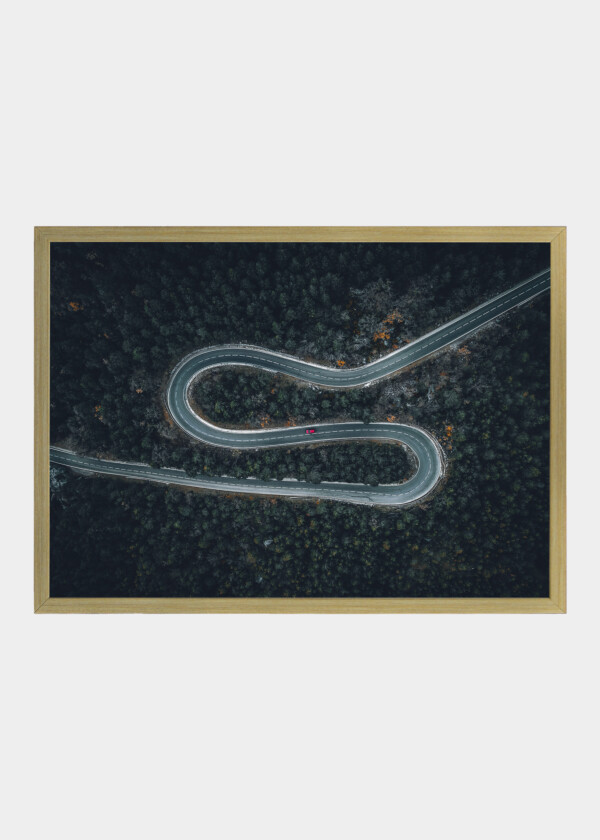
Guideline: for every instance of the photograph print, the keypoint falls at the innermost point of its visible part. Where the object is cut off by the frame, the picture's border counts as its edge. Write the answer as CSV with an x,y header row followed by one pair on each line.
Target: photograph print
x,y
299,420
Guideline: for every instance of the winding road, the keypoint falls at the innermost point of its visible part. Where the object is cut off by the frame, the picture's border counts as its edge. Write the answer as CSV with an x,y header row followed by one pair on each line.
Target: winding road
x,y
430,465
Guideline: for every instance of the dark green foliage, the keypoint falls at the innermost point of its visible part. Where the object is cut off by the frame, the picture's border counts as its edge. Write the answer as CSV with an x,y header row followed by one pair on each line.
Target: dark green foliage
x,y
235,396
139,309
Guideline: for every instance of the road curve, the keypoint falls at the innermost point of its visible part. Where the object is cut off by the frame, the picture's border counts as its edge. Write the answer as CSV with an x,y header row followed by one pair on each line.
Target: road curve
x,y
423,445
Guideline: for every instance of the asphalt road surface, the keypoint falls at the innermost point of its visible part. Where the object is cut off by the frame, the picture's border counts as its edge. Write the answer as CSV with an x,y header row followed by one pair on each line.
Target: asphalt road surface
x,y
424,447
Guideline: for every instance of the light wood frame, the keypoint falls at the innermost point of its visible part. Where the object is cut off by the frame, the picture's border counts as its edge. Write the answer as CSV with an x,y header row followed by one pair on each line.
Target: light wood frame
x,y
555,603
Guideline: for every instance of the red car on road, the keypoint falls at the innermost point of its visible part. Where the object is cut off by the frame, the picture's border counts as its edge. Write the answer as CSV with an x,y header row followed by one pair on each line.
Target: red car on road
x,y
310,431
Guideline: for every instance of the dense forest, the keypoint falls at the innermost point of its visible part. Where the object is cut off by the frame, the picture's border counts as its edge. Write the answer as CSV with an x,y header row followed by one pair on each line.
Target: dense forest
x,y
123,315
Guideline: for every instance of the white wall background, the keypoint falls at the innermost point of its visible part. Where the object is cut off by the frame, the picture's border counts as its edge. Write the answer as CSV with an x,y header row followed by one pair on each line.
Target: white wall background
x,y
304,113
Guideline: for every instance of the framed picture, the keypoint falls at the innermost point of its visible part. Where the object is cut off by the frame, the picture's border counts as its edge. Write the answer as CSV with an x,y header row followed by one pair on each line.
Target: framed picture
x,y
300,419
